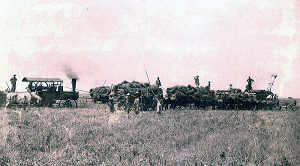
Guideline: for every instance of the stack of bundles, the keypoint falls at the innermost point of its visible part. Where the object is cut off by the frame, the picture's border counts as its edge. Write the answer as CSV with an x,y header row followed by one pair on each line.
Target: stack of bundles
x,y
248,96
135,87
180,90
100,91
154,90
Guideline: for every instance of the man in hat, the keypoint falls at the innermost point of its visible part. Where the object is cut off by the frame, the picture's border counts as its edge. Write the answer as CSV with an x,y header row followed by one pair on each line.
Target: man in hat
x,y
158,106
13,81
249,85
196,78
29,88
111,104
158,83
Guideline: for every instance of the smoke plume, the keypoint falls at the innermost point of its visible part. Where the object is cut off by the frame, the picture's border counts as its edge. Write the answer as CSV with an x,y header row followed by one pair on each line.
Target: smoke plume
x,y
70,73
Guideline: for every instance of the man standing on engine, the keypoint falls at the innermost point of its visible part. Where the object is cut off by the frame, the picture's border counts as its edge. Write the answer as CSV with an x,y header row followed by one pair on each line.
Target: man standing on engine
x,y
13,81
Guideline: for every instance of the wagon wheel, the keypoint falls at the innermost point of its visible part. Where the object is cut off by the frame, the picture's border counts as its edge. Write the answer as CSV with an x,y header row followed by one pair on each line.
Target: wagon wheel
x,y
71,103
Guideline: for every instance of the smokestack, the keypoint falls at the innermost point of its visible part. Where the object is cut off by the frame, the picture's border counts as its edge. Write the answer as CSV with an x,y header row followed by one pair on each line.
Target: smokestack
x,y
73,84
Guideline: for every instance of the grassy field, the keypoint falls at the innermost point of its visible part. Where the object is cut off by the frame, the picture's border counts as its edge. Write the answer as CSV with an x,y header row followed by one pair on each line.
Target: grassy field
x,y
93,136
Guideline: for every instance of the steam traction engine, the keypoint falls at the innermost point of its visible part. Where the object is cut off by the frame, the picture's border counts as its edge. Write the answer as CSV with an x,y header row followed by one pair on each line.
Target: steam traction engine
x,y
51,91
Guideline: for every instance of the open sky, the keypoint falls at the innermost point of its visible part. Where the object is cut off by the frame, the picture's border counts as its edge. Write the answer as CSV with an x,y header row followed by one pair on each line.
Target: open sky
x,y
109,41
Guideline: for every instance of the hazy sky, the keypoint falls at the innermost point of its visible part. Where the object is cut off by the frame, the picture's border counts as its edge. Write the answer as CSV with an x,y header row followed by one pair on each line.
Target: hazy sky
x,y
222,41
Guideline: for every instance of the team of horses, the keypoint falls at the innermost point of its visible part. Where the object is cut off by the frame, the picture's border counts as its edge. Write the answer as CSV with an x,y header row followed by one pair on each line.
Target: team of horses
x,y
22,99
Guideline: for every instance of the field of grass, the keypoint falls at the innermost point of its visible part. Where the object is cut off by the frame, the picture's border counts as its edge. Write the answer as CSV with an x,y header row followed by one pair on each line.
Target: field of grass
x,y
93,136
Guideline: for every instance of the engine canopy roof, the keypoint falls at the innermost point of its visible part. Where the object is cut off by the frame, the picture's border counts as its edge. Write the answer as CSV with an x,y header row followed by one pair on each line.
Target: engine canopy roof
x,y
32,79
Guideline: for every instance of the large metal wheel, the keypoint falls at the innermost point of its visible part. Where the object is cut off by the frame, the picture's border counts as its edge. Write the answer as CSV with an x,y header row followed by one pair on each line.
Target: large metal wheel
x,y
68,103
71,103
61,103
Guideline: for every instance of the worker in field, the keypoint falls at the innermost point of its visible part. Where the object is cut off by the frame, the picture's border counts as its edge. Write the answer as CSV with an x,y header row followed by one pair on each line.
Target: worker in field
x,y
158,83
13,81
158,106
111,104
129,98
196,78
136,105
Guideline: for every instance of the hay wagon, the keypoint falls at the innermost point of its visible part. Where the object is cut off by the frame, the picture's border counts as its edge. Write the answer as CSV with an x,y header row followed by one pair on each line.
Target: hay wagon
x,y
129,95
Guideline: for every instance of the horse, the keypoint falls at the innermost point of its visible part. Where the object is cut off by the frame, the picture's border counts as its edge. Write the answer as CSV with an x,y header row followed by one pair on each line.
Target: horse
x,y
23,99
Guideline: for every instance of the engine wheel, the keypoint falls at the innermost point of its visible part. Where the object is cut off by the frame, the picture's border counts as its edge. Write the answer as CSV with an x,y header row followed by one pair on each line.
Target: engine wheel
x,y
71,103
68,103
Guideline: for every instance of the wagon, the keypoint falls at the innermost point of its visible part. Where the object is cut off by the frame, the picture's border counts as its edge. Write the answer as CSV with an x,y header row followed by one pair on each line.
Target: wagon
x,y
129,95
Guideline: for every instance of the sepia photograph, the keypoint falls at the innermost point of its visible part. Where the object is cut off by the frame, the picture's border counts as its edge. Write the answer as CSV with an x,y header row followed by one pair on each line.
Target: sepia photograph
x,y
148,82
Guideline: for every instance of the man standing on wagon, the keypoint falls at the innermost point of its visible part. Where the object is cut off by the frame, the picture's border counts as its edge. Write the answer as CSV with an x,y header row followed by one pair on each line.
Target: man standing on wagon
x,y
13,81
196,78
249,85
158,83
